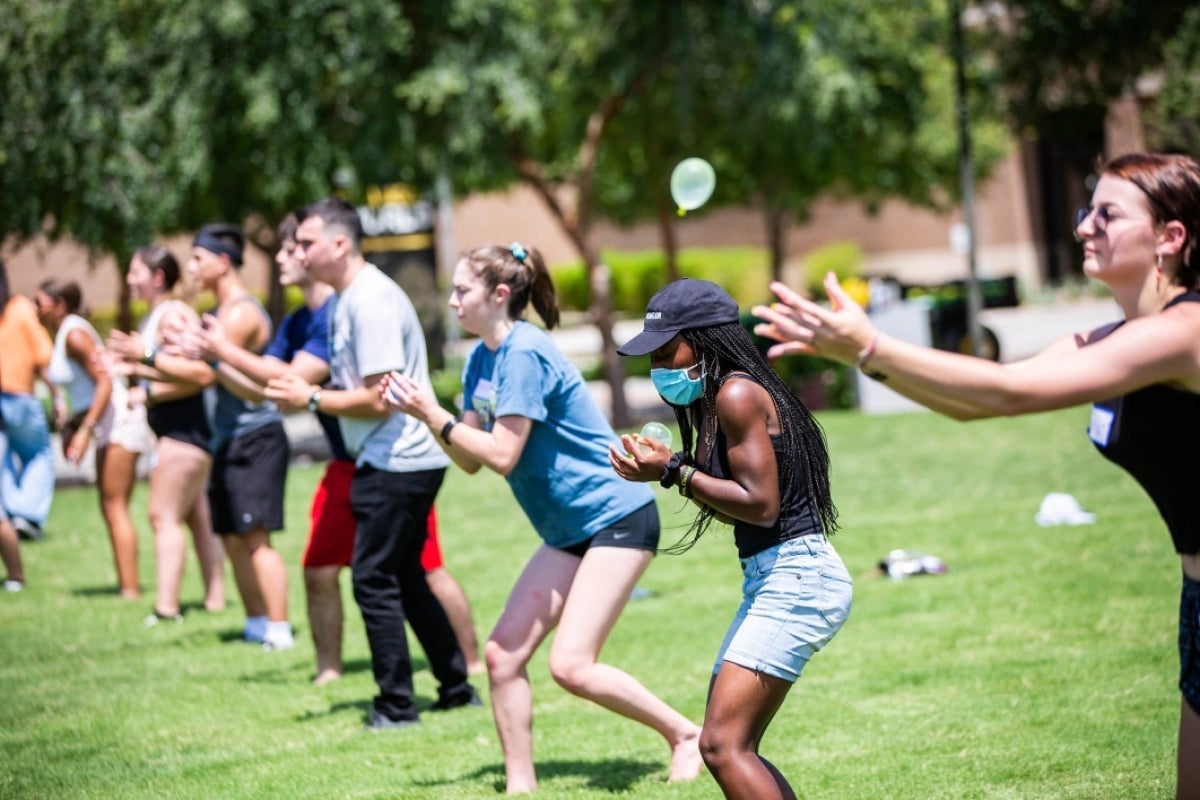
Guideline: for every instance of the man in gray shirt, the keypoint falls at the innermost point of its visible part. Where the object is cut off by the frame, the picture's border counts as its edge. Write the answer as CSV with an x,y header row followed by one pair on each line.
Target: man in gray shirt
x,y
374,330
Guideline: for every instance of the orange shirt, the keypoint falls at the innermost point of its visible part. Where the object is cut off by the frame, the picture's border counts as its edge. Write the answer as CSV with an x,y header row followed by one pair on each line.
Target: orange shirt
x,y
25,346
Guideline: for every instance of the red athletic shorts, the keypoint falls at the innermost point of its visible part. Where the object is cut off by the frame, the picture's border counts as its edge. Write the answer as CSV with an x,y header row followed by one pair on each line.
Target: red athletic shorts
x,y
331,528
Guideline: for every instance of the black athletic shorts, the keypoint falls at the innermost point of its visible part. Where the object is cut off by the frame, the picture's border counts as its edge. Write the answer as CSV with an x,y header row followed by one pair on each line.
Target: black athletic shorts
x,y
248,474
640,531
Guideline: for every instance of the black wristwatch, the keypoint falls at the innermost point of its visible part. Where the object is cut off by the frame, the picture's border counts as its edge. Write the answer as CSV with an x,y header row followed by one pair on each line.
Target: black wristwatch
x,y
314,400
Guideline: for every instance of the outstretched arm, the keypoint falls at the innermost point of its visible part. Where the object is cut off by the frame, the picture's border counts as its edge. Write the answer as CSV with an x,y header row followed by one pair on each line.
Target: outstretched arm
x,y
1161,348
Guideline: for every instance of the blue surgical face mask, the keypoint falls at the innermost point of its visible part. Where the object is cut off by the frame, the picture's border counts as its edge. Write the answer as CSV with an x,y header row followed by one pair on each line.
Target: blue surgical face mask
x,y
676,386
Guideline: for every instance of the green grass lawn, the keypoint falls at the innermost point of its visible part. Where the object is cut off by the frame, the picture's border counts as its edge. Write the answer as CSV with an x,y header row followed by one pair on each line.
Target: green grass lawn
x,y
1042,665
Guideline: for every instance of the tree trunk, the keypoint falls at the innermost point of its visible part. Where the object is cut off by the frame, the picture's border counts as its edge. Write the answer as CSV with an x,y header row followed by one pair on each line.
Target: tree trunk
x,y
124,312
262,235
670,243
776,239
601,312
574,225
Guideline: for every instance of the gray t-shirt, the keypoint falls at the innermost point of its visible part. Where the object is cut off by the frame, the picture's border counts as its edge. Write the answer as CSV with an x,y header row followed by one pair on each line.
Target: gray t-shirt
x,y
374,329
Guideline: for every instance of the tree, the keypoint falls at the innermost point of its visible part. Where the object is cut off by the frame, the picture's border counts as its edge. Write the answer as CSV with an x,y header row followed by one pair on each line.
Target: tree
x,y
527,91
1174,122
1062,61
124,120
788,99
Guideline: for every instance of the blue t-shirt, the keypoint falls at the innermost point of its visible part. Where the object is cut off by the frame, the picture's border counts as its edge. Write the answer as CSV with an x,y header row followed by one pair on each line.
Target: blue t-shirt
x,y
563,480
307,331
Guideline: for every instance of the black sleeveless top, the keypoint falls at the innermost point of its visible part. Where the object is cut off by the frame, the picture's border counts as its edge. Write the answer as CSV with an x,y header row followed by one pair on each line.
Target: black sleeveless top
x,y
797,511
1154,435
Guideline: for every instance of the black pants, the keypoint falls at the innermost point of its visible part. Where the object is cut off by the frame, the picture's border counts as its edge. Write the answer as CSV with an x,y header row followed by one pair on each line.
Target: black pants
x,y
390,509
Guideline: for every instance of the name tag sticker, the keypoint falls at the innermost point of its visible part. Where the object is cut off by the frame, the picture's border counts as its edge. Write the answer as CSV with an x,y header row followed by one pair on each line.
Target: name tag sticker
x,y
1100,428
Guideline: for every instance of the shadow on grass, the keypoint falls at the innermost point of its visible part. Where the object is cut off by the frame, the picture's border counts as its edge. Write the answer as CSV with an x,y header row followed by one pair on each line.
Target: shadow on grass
x,y
614,775
109,590
424,704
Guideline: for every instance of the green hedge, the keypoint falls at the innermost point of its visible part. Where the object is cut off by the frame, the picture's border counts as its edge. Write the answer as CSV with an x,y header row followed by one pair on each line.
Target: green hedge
x,y
637,275
744,272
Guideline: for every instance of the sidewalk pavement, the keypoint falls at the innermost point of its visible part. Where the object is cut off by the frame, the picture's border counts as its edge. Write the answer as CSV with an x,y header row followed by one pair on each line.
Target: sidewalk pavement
x,y
1021,330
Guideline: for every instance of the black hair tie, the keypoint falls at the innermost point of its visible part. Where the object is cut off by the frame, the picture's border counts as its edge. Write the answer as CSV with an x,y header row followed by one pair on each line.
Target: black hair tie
x,y
671,470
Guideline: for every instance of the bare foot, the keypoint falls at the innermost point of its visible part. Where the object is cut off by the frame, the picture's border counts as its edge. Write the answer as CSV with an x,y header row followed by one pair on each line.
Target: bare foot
x,y
326,676
686,761
131,594
520,789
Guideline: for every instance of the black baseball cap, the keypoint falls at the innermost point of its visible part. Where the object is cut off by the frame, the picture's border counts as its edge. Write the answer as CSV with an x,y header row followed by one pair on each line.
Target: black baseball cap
x,y
679,306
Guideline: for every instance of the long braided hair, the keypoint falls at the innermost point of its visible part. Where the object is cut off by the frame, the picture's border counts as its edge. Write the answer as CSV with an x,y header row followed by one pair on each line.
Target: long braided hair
x,y
724,349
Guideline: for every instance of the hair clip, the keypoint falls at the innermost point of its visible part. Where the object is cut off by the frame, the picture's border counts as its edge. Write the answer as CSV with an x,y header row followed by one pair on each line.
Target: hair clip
x,y
518,252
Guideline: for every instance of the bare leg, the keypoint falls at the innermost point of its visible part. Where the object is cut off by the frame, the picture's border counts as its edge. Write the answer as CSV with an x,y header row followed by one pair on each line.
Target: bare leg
x,y
269,573
531,612
210,552
741,704
244,575
450,594
116,470
1187,784
10,551
172,491
325,616
597,596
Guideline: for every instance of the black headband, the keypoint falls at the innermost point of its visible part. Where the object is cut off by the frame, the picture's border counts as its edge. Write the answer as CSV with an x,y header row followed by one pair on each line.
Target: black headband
x,y
219,246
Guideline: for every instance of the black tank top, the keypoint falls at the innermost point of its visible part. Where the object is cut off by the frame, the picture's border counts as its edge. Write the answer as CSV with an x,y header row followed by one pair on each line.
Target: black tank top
x,y
797,511
1154,435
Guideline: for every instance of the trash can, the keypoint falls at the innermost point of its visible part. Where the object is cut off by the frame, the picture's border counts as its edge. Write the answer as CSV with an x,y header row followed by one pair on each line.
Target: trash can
x,y
948,311
907,320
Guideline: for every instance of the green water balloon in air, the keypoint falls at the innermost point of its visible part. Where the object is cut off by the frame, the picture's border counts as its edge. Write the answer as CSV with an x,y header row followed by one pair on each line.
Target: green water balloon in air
x,y
692,183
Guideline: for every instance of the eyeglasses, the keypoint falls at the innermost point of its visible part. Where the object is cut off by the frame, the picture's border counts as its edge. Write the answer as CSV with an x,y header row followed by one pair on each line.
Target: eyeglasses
x,y
1100,220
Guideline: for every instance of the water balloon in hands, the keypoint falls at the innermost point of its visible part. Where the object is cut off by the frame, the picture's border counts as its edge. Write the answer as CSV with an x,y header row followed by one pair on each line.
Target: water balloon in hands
x,y
656,431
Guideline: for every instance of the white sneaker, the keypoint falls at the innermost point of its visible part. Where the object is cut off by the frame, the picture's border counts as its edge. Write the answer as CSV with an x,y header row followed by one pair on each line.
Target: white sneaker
x,y
278,636
278,642
13,586
157,618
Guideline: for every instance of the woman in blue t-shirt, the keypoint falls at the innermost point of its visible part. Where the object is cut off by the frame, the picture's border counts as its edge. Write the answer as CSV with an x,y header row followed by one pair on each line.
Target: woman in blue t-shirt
x,y
528,415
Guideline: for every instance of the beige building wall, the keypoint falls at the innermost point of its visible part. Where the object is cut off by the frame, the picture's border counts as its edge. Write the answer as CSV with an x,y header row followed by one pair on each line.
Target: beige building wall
x,y
912,244
909,243
99,278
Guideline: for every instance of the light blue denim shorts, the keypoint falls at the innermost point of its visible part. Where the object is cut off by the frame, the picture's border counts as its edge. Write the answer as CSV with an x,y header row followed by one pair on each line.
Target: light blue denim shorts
x,y
795,597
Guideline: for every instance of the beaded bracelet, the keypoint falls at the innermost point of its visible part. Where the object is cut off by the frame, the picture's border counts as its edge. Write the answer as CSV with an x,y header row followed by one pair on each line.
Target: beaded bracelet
x,y
685,480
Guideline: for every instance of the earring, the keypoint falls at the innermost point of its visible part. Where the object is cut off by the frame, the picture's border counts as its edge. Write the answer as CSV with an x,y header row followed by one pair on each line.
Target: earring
x,y
1159,263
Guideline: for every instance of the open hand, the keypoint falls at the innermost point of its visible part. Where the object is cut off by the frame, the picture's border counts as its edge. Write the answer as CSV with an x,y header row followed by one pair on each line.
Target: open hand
x,y
839,332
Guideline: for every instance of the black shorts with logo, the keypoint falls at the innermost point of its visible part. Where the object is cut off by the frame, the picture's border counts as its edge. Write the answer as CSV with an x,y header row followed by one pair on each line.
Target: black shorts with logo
x,y
248,474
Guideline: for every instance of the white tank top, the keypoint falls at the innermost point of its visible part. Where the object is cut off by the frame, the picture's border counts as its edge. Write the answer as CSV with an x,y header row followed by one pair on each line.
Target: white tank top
x,y
64,371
